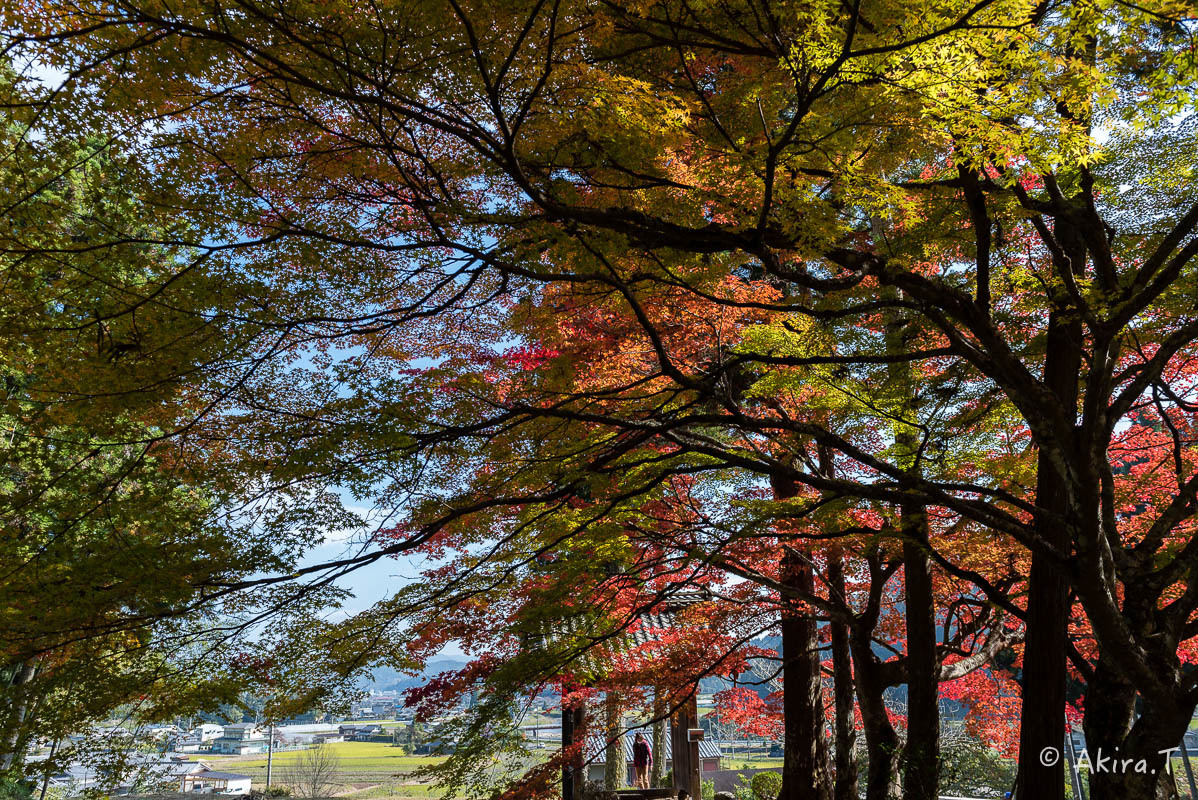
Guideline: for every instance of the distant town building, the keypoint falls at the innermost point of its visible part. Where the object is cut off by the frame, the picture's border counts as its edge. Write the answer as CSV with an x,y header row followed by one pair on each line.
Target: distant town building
x,y
130,774
309,733
112,732
328,738
190,744
162,731
360,733
374,708
435,747
209,731
74,779
242,738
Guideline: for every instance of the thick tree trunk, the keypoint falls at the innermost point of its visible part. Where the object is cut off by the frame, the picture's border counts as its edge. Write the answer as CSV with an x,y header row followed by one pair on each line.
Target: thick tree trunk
x,y
845,787
882,745
921,776
805,766
1138,769
1042,725
805,752
1110,712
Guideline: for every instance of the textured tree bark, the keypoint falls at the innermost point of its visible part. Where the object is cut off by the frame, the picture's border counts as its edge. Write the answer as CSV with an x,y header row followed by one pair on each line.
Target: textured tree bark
x,y
921,757
881,742
614,769
659,741
805,754
805,766
1110,712
14,716
1042,721
1139,769
845,787
1042,724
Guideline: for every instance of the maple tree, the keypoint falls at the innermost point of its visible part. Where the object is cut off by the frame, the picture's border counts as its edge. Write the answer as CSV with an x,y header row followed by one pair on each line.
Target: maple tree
x,y
951,245
116,539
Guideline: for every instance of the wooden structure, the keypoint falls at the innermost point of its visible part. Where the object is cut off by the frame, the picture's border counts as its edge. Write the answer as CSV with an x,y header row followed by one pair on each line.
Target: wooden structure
x,y
687,765
685,719
574,772
686,752
596,750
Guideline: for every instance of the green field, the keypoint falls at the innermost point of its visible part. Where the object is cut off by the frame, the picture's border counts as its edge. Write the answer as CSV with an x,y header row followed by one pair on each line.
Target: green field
x,y
380,771
371,756
366,770
751,762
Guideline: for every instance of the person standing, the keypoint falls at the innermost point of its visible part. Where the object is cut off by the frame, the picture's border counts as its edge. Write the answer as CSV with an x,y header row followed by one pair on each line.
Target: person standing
x,y
642,760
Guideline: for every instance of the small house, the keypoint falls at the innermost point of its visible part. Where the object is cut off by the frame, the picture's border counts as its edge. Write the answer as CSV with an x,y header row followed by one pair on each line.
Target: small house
x,y
434,747
328,738
210,781
189,744
361,733
241,739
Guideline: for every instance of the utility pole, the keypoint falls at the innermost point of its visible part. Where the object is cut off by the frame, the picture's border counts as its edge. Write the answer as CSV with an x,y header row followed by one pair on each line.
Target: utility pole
x,y
270,752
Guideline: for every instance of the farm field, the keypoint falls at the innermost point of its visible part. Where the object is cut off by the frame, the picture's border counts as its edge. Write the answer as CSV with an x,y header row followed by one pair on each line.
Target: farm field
x,y
751,762
366,770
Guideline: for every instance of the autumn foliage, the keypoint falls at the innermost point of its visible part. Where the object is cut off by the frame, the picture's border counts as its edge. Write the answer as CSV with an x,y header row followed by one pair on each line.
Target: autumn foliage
x,y
654,329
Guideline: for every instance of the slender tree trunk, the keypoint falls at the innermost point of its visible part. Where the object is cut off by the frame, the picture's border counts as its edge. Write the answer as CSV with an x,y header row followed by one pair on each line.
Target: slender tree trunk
x,y
615,769
659,741
921,757
845,735
805,766
14,716
921,777
842,674
1042,724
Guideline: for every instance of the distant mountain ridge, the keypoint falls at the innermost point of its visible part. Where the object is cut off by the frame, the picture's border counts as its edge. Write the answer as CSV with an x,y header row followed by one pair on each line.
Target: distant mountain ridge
x,y
387,679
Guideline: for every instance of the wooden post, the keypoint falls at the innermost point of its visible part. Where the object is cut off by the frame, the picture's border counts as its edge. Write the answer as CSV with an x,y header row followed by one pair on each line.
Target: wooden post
x,y
614,770
573,770
692,748
686,753
659,741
